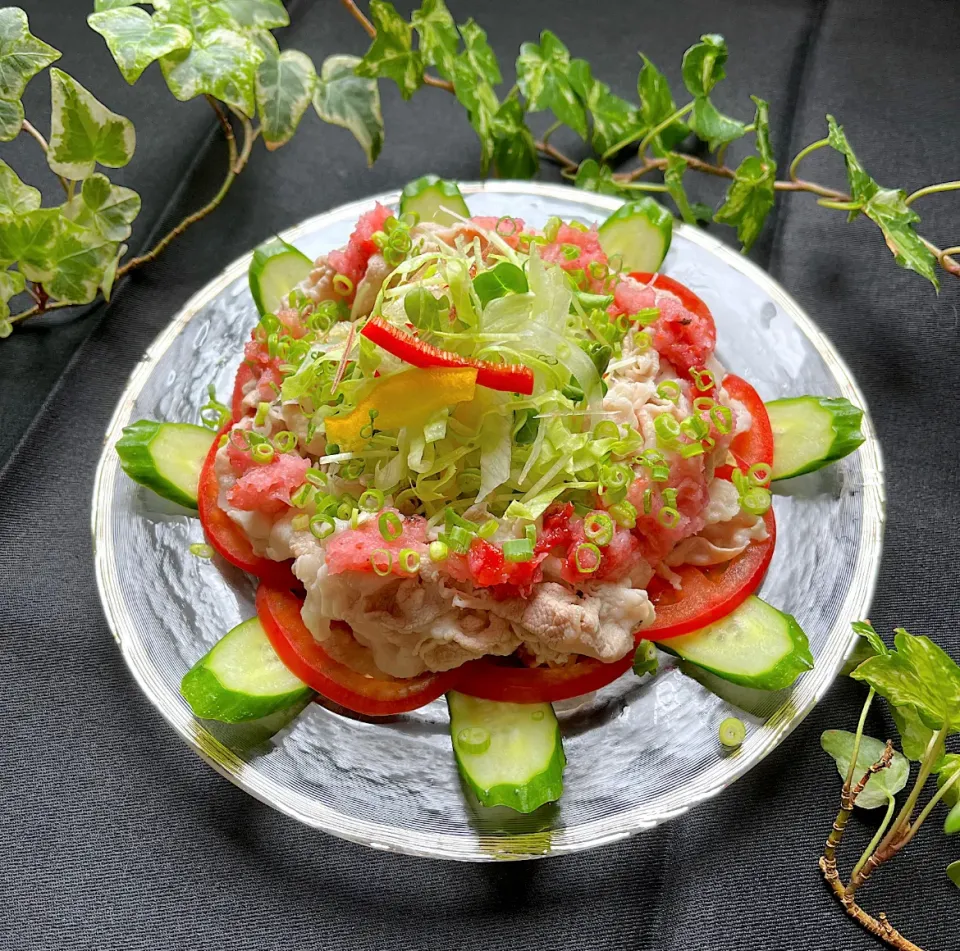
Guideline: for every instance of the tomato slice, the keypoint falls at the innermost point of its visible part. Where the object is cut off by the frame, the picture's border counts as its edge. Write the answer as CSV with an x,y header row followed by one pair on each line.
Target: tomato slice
x,y
686,296
756,444
509,377
244,375
279,612
489,680
226,537
708,594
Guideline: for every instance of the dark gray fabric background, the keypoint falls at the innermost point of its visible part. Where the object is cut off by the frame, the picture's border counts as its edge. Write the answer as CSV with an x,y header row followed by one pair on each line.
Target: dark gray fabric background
x,y
115,835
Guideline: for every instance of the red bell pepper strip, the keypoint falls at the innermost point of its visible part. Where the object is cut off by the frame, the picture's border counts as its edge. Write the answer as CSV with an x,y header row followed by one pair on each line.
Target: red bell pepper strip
x,y
509,377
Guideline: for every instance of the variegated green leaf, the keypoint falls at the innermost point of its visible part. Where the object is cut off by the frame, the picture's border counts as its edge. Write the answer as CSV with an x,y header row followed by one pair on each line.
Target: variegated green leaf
x,y
101,5
285,85
11,284
84,132
543,75
391,54
15,197
514,149
22,55
351,101
267,14
103,207
29,239
439,39
477,96
11,119
614,119
478,53
82,257
199,18
135,39
265,41
222,63
110,272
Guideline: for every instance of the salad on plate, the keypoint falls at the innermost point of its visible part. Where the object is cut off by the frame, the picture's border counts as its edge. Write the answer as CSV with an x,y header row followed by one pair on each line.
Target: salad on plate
x,y
492,460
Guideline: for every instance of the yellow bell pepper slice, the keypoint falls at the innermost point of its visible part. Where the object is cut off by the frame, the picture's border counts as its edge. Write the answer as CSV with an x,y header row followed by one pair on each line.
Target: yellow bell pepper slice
x,y
405,399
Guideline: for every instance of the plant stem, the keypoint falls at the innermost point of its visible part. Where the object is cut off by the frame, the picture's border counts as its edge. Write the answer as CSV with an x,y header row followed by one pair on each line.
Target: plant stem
x,y
932,190
39,309
550,131
839,205
855,755
802,154
875,841
552,152
657,129
645,187
925,812
32,130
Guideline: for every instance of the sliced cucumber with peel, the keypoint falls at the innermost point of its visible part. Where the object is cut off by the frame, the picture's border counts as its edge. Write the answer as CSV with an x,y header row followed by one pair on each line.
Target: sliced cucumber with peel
x,y
276,269
166,457
810,432
754,646
640,233
510,754
433,199
241,678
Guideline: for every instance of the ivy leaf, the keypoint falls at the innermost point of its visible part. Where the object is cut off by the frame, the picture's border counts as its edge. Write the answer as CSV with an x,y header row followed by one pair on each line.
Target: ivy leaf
x,y
543,76
478,54
99,6
480,101
514,150
11,284
200,18
862,185
614,119
713,126
391,55
593,177
11,119
285,85
439,39
110,272
350,101
29,239
703,64
881,786
221,63
22,55
84,132
946,768
751,196
673,179
264,14
656,106
104,208
135,39
81,257
16,198
869,634
914,736
919,678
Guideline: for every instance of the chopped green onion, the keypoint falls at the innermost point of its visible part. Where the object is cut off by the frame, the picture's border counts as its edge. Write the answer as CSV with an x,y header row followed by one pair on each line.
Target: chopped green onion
x,y
624,514
489,528
530,531
660,473
343,286
669,390
439,551
623,323
408,560
598,270
551,229
355,518
501,228
647,501
332,449
570,251
703,404
578,226
667,428
458,539
344,511
670,497
709,443
607,429
474,740
598,527
262,409
371,500
615,480
391,528
732,733
352,470
381,561
316,478
756,501
759,473
300,523
647,316
285,441
587,558
703,379
668,517
652,457
722,417
518,549
300,497
693,427
262,453
200,550
642,341
691,449
645,660
322,526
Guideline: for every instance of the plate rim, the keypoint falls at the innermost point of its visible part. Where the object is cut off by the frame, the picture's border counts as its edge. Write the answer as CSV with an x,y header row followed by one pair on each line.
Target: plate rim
x,y
594,833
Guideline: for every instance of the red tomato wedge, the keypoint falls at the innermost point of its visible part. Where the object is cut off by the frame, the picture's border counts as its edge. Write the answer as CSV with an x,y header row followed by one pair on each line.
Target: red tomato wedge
x,y
489,680
686,296
708,594
509,377
279,613
226,537
244,375
756,444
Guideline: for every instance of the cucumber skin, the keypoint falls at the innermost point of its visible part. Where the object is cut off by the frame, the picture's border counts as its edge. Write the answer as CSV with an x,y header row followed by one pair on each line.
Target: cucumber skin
x,y
210,700
656,215
413,190
779,677
846,428
133,448
261,256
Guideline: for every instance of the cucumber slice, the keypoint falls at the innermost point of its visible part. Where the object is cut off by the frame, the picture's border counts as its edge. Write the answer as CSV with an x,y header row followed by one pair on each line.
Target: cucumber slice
x,y
166,457
810,432
433,199
640,232
276,268
754,646
241,678
510,754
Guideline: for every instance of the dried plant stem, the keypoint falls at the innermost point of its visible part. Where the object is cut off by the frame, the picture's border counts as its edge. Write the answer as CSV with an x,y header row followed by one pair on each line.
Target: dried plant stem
x,y
32,130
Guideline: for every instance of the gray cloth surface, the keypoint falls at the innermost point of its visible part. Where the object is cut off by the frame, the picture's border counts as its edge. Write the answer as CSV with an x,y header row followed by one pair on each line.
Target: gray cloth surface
x,y
115,835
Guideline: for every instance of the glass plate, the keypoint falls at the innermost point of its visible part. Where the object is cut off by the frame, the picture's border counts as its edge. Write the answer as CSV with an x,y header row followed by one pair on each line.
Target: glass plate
x,y
640,751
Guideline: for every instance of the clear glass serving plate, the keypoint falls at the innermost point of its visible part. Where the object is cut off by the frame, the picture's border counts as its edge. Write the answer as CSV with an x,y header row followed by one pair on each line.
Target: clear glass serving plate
x,y
640,751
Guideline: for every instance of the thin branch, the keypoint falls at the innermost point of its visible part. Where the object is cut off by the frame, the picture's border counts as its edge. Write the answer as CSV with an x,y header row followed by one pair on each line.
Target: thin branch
x,y
566,163
881,830
932,190
31,129
360,17
39,309
438,82
803,153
